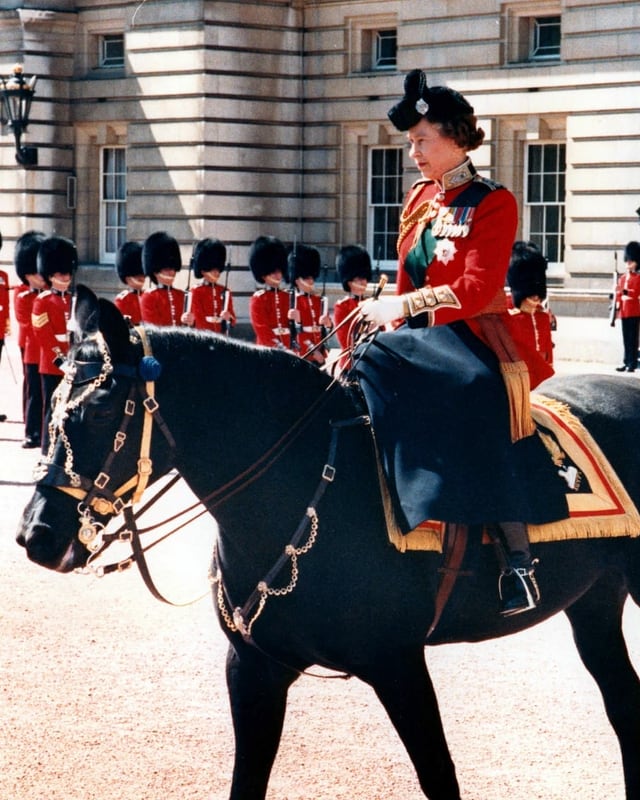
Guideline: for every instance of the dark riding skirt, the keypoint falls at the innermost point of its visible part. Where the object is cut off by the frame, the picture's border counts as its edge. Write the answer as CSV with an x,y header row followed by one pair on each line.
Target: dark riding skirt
x,y
441,419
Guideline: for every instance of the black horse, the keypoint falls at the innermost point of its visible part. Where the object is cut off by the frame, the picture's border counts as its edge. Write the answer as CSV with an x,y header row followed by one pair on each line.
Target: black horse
x,y
303,571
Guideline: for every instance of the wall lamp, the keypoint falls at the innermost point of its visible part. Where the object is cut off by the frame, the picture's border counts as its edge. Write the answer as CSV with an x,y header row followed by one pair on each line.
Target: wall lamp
x,y
17,94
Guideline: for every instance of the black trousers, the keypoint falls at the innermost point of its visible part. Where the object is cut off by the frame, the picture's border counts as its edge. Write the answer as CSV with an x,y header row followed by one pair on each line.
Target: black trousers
x,y
630,337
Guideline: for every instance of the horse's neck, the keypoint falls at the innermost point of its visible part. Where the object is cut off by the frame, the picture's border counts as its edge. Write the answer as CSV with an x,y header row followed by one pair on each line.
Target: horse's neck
x,y
241,419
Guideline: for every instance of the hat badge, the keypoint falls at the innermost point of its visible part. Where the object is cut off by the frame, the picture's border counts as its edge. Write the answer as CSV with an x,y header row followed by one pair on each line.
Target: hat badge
x,y
422,106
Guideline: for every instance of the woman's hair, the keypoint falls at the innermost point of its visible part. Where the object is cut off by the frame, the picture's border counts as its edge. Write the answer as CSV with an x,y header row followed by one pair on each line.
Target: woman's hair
x,y
463,130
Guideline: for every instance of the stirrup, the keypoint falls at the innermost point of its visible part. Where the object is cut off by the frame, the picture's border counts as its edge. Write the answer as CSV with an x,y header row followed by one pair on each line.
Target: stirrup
x,y
518,590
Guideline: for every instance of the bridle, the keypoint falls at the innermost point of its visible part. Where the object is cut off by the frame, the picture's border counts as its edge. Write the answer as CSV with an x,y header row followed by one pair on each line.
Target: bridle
x,y
97,495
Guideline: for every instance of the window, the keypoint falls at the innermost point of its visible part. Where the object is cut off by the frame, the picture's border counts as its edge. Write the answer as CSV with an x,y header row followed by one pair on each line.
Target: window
x,y
385,202
112,50
545,43
385,49
546,168
533,31
113,202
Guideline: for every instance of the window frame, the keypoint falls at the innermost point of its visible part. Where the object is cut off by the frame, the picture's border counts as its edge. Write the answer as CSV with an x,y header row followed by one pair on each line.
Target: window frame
x,y
104,61
537,23
543,234
108,226
520,20
377,46
393,208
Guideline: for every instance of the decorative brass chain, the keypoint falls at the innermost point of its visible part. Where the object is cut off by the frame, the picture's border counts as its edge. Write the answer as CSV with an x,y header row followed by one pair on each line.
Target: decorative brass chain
x,y
236,622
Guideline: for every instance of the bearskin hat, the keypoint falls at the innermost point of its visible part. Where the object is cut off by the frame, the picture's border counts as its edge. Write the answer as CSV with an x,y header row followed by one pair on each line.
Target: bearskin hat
x,y
632,252
160,251
303,262
208,254
129,260
436,103
25,256
267,254
57,254
527,272
353,261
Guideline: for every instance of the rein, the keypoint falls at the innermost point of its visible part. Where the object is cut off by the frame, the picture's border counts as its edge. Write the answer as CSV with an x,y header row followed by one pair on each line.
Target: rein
x,y
96,495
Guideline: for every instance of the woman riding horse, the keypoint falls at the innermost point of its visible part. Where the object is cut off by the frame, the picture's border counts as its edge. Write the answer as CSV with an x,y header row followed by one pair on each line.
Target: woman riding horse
x,y
456,234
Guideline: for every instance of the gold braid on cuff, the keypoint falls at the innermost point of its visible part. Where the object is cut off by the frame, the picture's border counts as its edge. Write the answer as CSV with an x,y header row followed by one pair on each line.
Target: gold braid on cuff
x,y
429,298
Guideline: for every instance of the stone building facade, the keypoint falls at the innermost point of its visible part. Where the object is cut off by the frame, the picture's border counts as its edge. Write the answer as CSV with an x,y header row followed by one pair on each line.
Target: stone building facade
x,y
233,118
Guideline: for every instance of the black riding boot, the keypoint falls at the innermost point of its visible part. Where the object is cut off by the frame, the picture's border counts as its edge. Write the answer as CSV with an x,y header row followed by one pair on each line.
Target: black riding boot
x,y
517,586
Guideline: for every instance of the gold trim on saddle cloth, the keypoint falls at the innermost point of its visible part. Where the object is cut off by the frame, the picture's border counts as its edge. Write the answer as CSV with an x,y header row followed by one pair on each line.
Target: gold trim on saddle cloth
x,y
606,509
599,505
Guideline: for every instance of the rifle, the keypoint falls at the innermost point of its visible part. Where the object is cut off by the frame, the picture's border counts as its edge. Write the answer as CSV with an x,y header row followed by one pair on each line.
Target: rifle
x,y
187,293
325,301
225,326
612,311
293,331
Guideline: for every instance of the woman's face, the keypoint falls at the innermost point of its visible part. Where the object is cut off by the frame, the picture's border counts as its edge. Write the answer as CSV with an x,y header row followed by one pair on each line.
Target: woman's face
x,y
433,153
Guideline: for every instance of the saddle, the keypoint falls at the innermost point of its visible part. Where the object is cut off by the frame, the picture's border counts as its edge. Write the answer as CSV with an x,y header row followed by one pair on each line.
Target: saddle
x,y
598,503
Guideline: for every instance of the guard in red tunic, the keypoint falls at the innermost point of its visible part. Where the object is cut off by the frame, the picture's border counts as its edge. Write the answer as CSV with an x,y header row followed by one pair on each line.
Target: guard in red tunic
x,y
161,304
353,265
57,263
530,319
269,307
310,312
4,312
210,306
627,302
25,260
129,269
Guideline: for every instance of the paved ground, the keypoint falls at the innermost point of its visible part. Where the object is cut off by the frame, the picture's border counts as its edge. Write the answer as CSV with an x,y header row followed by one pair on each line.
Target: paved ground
x,y
108,694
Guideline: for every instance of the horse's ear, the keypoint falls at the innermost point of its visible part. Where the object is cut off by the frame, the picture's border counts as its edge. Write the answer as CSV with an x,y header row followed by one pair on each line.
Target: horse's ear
x,y
115,330
86,314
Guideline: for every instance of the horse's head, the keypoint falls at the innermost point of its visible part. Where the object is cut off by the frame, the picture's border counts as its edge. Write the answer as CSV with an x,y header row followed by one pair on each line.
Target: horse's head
x,y
99,455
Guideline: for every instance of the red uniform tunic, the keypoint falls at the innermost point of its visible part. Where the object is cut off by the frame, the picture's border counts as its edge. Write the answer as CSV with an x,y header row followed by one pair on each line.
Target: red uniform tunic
x,y
23,299
128,303
341,310
628,295
532,332
162,305
309,307
208,301
4,303
268,310
471,251
51,312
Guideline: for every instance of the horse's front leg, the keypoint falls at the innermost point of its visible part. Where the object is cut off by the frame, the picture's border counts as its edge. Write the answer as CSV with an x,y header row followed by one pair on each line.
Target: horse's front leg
x,y
401,681
258,695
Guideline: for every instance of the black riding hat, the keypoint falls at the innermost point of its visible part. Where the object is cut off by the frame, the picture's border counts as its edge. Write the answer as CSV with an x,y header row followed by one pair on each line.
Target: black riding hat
x,y
435,103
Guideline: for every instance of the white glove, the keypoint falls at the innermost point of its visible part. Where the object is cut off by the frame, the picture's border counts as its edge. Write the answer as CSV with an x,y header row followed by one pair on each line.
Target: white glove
x,y
384,309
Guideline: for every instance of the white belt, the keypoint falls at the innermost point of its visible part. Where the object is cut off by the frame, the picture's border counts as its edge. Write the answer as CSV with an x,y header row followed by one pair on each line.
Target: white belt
x,y
280,331
62,337
213,319
311,329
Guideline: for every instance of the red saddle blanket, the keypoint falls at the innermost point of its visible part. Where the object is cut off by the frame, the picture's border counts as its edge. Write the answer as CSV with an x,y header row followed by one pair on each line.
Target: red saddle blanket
x,y
598,503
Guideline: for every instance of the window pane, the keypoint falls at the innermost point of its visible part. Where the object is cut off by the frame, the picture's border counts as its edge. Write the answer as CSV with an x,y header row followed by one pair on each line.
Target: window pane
x,y
545,198
385,49
114,197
